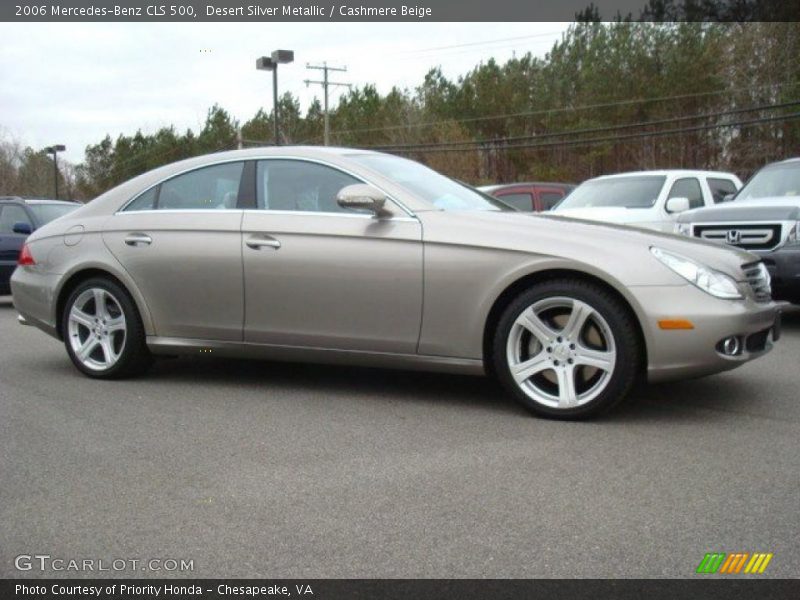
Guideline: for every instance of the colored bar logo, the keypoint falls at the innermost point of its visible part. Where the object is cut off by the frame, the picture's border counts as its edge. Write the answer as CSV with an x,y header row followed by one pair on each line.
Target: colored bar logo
x,y
734,563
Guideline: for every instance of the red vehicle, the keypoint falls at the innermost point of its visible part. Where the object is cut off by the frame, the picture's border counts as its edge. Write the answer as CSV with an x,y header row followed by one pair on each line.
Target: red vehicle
x,y
533,196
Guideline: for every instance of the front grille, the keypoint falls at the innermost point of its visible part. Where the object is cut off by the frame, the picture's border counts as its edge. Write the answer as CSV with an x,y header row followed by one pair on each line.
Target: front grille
x,y
758,279
750,236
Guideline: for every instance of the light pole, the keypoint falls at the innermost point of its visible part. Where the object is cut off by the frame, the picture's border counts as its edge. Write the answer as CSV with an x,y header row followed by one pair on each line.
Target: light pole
x,y
54,150
270,63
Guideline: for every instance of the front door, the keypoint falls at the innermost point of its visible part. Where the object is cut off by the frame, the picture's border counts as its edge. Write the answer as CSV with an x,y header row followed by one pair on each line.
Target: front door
x,y
320,276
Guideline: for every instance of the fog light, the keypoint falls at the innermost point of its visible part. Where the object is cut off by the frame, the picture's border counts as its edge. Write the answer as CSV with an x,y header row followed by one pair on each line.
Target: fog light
x,y
731,346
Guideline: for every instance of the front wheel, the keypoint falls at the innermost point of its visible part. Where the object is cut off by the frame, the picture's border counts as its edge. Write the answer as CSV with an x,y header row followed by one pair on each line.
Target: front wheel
x,y
102,331
567,349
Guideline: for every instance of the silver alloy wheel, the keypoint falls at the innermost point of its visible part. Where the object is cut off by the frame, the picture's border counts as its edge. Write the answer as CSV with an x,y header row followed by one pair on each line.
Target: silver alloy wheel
x,y
96,328
561,352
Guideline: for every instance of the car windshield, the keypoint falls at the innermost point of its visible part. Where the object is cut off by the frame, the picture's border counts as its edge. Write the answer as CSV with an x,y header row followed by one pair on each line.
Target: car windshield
x,y
623,192
47,212
441,191
772,182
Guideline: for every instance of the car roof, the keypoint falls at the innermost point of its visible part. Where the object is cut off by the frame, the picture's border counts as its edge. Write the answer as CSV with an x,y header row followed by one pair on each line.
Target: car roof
x,y
666,172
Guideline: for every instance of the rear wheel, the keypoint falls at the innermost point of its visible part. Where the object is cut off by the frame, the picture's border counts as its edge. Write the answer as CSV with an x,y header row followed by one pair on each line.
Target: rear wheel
x,y
103,332
567,349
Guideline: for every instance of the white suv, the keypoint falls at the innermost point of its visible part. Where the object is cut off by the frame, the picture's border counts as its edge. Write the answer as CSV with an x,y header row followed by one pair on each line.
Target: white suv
x,y
649,199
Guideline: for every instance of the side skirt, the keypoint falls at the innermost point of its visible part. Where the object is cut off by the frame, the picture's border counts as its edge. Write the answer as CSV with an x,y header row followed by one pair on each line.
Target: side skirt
x,y
188,347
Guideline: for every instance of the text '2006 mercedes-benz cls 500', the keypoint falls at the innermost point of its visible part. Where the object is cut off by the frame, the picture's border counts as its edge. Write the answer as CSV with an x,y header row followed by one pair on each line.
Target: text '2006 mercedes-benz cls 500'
x,y
350,256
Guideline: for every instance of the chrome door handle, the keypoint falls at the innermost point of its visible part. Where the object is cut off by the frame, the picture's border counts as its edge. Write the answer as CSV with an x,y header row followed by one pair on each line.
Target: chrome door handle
x,y
138,239
256,243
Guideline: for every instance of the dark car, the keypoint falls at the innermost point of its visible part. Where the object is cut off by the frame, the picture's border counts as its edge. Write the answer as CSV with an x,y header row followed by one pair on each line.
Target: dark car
x,y
536,196
764,218
19,217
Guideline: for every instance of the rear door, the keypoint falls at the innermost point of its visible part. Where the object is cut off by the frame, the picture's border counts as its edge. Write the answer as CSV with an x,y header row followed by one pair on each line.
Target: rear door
x,y
181,243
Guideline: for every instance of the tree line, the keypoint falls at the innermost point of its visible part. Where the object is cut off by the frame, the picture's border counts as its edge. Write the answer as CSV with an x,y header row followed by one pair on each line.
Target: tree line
x,y
607,97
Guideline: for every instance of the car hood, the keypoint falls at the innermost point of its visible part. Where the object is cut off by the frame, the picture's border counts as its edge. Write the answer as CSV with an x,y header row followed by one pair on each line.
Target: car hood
x,y
781,208
619,250
608,214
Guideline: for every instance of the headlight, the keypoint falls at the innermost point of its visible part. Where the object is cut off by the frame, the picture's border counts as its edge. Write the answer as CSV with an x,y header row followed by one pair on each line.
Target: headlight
x,y
794,234
710,281
683,229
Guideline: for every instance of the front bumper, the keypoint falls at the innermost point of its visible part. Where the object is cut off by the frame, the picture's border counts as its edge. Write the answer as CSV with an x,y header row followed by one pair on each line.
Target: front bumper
x,y
681,353
783,265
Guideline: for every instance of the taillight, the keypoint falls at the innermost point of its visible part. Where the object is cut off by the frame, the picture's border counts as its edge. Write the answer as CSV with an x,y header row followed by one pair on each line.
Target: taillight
x,y
25,257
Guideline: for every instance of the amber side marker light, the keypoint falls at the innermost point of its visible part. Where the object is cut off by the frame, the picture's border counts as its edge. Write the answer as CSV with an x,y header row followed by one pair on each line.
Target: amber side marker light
x,y
25,257
675,324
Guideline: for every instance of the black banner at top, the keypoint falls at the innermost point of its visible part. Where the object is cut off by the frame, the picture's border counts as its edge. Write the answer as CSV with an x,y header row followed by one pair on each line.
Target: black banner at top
x,y
396,10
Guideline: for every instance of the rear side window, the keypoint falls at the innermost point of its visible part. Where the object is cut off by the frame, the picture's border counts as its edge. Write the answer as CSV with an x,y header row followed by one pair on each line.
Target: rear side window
x,y
144,201
550,199
688,188
721,188
10,214
520,201
209,188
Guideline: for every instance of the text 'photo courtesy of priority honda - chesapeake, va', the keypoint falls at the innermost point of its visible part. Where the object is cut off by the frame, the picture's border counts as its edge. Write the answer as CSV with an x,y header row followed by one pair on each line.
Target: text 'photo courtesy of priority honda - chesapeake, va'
x,y
400,301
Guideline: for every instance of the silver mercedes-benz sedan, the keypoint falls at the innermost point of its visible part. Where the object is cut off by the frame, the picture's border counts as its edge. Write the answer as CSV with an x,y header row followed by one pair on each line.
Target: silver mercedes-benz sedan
x,y
350,256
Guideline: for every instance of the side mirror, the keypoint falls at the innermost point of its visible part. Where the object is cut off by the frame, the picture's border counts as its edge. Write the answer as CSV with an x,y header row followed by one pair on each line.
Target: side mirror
x,y
728,197
23,228
361,196
677,205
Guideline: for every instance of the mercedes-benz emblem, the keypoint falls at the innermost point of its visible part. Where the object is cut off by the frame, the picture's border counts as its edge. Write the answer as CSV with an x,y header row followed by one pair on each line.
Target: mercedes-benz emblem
x,y
733,236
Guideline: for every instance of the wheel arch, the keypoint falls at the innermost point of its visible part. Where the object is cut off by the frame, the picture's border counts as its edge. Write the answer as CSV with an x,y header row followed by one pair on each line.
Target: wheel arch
x,y
73,280
523,283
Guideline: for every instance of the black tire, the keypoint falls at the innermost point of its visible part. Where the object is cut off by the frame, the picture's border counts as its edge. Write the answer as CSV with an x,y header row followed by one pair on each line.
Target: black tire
x,y
619,323
134,356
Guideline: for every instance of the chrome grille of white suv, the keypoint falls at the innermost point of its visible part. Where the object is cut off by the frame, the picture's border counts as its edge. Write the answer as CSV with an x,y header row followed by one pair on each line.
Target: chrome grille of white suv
x,y
758,278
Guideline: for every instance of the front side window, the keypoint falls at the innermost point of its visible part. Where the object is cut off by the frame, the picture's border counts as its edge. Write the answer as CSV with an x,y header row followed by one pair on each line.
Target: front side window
x,y
297,185
624,192
10,214
688,188
520,201
208,188
720,188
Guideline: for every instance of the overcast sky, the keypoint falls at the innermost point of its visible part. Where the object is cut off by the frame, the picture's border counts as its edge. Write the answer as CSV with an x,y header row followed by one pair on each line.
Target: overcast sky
x,y
74,83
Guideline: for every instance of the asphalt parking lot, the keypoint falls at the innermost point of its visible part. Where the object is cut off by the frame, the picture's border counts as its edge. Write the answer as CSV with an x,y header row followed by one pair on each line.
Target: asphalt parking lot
x,y
255,469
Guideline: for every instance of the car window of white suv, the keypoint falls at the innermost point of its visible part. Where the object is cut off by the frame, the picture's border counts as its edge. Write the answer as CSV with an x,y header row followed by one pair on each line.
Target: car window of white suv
x,y
720,188
688,187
